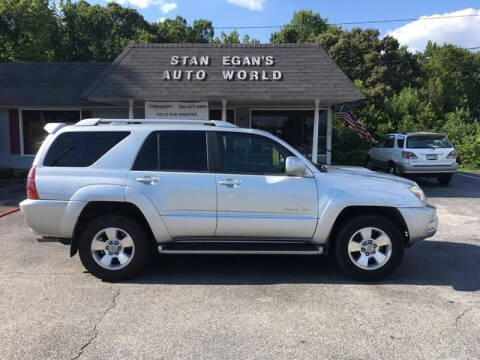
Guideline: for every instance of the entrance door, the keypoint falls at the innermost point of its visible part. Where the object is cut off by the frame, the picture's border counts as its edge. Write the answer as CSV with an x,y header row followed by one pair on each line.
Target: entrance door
x,y
255,197
172,170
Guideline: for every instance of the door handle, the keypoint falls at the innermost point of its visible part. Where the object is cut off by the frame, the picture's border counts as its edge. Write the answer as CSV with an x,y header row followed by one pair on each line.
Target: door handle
x,y
230,182
148,180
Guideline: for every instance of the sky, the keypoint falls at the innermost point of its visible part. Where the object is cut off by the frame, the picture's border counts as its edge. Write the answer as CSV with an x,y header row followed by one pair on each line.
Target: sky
x,y
462,31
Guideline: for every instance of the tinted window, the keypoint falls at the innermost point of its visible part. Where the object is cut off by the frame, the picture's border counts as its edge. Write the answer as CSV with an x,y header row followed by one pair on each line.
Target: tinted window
x,y
173,151
400,141
427,141
390,142
247,154
80,149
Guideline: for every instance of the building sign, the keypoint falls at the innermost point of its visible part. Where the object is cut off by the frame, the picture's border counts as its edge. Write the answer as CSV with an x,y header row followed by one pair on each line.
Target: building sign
x,y
246,68
176,110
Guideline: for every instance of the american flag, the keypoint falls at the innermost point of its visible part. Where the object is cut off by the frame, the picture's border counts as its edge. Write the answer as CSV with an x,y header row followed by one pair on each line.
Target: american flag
x,y
353,123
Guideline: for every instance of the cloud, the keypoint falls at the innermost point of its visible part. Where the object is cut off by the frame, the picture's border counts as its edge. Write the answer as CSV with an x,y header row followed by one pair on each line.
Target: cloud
x,y
251,4
462,31
167,7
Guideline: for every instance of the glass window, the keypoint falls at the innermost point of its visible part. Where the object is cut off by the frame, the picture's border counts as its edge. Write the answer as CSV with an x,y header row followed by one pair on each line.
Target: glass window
x,y
293,126
250,154
216,114
390,141
400,141
428,141
80,149
173,151
33,122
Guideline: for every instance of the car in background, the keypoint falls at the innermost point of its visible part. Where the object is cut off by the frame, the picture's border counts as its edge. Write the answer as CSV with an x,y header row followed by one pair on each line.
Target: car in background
x,y
415,153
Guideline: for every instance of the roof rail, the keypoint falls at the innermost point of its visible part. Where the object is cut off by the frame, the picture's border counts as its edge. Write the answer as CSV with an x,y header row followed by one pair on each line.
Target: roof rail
x,y
99,121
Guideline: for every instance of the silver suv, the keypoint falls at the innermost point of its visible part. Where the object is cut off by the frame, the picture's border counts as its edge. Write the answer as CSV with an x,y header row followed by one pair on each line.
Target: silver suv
x,y
116,191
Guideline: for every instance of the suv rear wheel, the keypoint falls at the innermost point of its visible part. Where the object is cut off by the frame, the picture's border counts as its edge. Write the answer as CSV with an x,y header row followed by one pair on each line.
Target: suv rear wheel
x,y
444,179
113,247
369,248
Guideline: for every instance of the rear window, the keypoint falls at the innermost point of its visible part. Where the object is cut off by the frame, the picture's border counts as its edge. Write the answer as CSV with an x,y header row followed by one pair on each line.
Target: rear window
x,y
427,142
173,151
81,149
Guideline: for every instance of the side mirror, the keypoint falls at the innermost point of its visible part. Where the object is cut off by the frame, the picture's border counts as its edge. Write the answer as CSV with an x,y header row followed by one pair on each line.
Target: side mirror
x,y
295,167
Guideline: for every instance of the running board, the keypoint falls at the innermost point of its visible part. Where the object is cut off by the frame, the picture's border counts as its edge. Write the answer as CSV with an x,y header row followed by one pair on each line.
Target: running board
x,y
240,248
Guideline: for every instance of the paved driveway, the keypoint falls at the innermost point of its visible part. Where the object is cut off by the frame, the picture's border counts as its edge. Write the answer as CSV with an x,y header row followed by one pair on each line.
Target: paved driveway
x,y
249,307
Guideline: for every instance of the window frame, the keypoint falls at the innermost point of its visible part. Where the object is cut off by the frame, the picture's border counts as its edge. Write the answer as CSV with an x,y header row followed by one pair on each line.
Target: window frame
x,y
20,122
217,159
209,152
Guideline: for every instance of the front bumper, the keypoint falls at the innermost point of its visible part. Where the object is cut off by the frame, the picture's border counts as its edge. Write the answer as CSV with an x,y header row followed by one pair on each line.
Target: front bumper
x,y
412,168
422,222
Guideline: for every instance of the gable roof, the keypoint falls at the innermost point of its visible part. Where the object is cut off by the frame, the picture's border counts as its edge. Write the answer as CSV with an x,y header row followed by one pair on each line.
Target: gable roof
x,y
307,71
46,84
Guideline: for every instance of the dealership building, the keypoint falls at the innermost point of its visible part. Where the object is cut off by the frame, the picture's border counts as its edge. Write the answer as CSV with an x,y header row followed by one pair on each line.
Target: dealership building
x,y
290,90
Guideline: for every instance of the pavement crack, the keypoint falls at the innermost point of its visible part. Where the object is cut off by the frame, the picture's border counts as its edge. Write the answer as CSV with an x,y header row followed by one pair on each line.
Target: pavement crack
x,y
463,313
97,323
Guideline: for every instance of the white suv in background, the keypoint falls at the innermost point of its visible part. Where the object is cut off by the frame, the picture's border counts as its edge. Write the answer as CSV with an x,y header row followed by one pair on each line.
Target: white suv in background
x,y
415,153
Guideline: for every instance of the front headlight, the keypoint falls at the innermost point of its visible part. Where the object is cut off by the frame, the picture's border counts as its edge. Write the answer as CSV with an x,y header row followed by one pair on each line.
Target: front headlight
x,y
415,189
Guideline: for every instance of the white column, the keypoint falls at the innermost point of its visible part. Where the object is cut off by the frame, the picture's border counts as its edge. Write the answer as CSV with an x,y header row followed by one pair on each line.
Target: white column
x,y
329,135
224,110
315,132
130,108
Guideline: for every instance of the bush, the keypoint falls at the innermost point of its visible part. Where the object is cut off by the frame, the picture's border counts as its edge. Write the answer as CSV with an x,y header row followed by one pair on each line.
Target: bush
x,y
347,147
464,133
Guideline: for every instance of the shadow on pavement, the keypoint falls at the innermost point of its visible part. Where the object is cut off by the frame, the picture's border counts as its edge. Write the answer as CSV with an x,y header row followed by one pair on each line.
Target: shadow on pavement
x,y
463,185
426,263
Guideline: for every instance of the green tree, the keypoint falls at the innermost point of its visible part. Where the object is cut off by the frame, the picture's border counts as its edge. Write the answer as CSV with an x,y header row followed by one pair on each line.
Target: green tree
x,y
179,31
97,33
28,30
452,78
228,38
305,26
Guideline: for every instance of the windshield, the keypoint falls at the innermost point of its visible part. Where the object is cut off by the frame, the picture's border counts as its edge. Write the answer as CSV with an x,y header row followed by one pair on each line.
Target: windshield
x,y
427,141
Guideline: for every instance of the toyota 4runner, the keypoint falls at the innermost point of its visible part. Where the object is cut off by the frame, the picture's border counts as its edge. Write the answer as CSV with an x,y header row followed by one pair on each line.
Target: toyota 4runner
x,y
118,190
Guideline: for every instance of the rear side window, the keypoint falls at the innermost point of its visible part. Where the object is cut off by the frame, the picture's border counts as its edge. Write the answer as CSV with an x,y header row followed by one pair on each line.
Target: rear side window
x,y
173,151
390,141
81,149
400,141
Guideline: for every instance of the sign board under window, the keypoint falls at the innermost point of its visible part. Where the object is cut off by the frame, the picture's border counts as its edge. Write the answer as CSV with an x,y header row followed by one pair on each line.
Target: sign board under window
x,y
176,110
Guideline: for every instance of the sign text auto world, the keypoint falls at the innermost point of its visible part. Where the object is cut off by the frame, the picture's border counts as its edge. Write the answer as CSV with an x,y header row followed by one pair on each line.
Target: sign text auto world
x,y
250,68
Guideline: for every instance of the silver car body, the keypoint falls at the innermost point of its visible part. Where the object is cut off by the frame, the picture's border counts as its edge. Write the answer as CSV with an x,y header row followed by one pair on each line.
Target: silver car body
x,y
180,205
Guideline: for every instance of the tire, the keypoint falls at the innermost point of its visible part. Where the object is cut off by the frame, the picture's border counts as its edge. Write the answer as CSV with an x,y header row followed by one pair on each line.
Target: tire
x,y
393,169
369,164
125,263
444,179
351,261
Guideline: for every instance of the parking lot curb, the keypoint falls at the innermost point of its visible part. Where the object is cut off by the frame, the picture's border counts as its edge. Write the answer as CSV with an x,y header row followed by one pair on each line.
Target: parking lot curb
x,y
5,213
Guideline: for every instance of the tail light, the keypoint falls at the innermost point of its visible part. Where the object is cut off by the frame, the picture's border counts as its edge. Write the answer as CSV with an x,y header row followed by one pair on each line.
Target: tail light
x,y
408,155
31,186
452,155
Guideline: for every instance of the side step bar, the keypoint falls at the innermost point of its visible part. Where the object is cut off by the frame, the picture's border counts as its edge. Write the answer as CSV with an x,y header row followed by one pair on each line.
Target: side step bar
x,y
241,248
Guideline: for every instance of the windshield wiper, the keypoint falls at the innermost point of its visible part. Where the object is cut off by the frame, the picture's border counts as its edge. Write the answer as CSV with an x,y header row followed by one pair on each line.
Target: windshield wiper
x,y
60,156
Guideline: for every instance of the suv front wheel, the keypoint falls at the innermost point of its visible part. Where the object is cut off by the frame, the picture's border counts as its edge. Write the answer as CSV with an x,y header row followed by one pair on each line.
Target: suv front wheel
x,y
369,248
113,247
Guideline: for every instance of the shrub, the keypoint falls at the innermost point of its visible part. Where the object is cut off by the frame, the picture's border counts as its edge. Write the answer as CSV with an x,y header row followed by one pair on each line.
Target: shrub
x,y
464,133
6,173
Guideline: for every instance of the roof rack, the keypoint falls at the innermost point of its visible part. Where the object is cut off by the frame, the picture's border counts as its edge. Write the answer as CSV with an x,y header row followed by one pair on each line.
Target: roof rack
x,y
100,121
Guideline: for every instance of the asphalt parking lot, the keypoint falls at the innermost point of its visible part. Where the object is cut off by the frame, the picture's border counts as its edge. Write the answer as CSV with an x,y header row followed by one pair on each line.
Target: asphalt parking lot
x,y
249,307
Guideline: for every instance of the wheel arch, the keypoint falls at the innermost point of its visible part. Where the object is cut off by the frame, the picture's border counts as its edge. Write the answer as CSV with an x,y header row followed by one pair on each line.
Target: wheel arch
x,y
349,212
94,209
